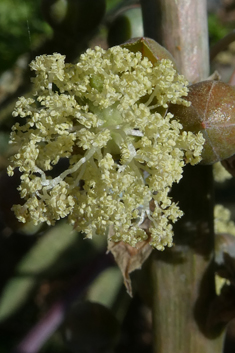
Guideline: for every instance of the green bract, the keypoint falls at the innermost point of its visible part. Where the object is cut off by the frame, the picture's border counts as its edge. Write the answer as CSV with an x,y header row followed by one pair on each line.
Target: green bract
x,y
107,115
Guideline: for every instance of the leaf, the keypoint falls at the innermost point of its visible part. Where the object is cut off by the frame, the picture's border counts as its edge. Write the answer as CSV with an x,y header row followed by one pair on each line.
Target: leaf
x,y
14,295
48,249
129,259
43,256
105,287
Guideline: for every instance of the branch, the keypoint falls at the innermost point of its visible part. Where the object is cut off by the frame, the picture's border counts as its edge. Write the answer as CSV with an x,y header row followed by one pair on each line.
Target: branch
x,y
222,44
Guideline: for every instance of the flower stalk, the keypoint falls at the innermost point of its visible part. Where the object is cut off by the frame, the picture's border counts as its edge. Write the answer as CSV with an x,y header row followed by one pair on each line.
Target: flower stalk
x,y
181,27
183,276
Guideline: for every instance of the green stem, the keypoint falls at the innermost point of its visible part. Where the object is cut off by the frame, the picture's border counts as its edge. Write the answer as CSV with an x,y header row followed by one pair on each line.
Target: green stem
x,y
183,276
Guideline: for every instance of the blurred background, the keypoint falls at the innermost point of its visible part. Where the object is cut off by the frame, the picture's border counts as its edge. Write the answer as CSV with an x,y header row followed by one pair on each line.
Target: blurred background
x,y
51,276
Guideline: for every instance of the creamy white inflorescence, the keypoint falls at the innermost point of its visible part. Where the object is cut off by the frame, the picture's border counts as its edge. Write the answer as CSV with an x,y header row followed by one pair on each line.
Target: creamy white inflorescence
x,y
107,115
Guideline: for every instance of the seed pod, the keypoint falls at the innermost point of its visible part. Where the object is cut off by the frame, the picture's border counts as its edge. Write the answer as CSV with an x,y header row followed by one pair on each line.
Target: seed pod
x,y
212,112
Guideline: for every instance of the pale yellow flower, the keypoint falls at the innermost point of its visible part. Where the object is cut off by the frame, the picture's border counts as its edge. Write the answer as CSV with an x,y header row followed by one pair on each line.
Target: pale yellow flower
x,y
222,220
107,117
220,173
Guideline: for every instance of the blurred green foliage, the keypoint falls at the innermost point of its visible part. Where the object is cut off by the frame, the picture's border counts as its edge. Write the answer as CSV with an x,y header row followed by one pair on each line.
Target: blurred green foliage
x,y
22,28
217,29
4,139
110,4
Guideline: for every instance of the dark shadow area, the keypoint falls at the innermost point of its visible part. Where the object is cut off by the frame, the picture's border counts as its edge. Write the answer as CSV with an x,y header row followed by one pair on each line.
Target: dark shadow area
x,y
204,312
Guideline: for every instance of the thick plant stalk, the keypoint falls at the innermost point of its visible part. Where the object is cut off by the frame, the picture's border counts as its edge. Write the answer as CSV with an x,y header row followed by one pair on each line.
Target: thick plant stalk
x,y
181,27
183,276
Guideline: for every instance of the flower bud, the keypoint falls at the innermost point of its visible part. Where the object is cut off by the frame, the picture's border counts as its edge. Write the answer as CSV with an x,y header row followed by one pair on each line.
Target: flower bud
x,y
212,111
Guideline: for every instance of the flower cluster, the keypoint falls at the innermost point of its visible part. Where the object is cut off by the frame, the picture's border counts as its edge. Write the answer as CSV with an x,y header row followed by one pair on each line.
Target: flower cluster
x,y
222,220
220,173
104,121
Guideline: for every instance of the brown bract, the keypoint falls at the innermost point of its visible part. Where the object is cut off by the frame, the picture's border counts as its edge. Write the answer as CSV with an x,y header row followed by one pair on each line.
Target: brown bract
x,y
129,259
212,112
149,48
